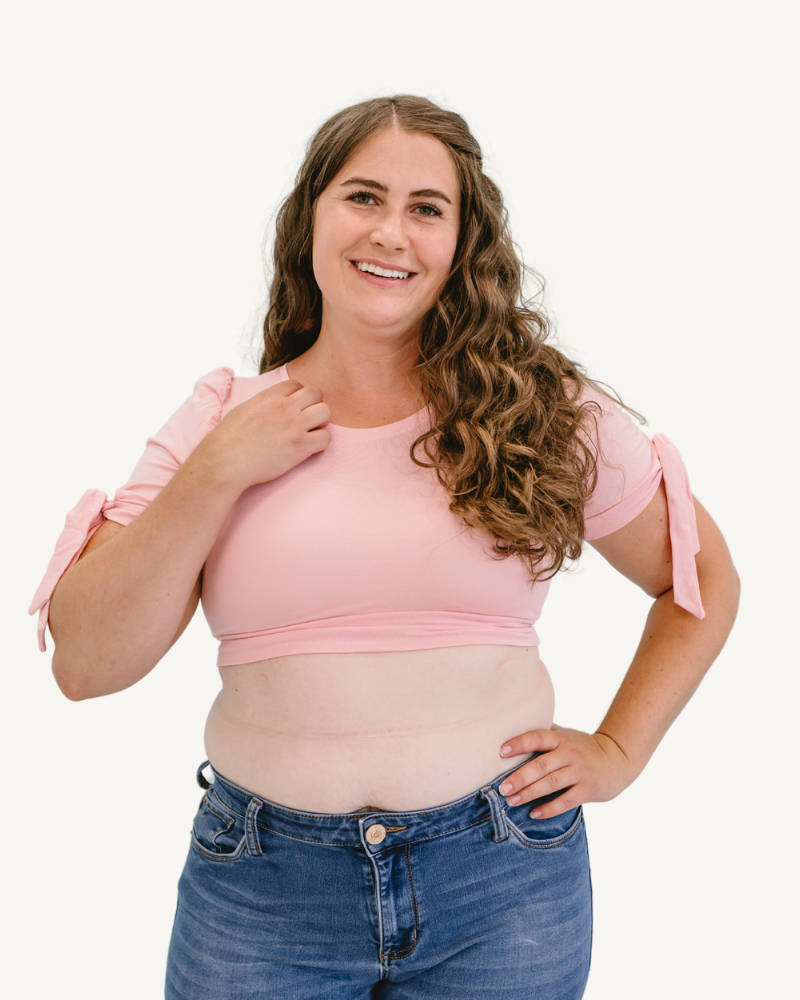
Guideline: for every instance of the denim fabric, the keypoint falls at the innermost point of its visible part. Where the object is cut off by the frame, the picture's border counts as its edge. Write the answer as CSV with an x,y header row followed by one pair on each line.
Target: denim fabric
x,y
470,900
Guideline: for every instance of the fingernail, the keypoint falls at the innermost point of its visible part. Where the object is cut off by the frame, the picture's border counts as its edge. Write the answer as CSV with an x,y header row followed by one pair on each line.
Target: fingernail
x,y
505,750
536,813
505,787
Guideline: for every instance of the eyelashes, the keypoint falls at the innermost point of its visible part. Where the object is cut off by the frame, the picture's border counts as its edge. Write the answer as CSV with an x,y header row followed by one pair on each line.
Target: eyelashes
x,y
434,211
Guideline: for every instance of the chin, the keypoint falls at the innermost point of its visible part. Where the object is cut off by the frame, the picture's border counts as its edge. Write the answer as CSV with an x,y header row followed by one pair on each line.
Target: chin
x,y
386,320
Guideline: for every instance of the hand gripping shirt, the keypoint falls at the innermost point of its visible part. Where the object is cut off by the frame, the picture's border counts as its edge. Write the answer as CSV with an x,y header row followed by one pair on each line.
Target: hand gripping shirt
x,y
355,549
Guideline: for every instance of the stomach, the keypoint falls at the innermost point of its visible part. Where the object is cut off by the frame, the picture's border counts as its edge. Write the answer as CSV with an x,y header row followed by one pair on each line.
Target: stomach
x,y
390,731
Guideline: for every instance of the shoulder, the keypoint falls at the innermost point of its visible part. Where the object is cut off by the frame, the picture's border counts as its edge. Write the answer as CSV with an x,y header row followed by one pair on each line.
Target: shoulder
x,y
244,387
610,430
214,394
218,391
211,390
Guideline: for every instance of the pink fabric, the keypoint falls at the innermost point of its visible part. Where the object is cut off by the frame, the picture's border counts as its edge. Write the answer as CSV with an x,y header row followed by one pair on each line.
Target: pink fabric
x,y
682,527
82,522
355,549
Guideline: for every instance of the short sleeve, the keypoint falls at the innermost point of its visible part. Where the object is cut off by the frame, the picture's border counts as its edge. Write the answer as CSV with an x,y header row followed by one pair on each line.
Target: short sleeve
x,y
164,453
169,448
630,469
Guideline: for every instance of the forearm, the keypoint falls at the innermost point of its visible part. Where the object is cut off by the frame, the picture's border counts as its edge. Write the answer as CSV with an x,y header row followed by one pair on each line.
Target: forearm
x,y
673,656
117,610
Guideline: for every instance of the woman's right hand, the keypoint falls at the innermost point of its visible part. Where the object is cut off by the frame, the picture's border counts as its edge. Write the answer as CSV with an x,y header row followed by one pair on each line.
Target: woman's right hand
x,y
268,434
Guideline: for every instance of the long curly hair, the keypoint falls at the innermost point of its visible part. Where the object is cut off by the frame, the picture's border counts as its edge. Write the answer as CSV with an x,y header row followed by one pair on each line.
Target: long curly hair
x,y
509,436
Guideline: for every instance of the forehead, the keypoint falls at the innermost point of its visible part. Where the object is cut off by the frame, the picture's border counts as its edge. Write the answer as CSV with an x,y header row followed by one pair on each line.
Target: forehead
x,y
404,161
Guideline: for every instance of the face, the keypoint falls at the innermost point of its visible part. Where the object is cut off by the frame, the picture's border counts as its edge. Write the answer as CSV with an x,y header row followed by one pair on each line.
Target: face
x,y
394,207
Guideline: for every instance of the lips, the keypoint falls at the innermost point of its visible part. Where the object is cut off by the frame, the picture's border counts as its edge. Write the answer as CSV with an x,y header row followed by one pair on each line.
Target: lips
x,y
382,281
380,263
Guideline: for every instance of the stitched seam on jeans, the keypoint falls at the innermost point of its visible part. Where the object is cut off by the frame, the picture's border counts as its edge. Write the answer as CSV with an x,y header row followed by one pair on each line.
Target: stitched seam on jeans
x,y
223,804
251,828
543,845
230,823
204,851
403,954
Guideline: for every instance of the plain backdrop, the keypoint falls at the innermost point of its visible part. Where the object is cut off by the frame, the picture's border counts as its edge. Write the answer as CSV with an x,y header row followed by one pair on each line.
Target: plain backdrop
x,y
648,155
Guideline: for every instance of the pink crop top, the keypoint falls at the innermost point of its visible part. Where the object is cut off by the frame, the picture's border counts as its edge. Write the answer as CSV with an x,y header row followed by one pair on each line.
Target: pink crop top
x,y
355,549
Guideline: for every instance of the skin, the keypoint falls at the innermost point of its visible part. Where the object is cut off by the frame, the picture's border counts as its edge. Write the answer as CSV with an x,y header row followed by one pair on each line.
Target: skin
x,y
370,328
360,364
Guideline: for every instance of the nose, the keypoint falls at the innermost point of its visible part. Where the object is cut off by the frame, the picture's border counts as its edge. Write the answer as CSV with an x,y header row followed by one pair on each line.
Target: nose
x,y
390,231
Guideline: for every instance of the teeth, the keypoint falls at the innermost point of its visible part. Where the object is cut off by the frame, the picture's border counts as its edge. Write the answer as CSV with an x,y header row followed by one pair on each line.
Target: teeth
x,y
382,272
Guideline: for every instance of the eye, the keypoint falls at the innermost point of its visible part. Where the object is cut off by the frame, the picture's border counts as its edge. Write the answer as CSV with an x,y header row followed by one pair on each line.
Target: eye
x,y
355,198
432,212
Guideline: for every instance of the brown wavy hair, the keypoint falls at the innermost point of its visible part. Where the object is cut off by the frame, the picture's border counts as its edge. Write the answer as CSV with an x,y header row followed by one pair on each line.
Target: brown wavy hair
x,y
509,437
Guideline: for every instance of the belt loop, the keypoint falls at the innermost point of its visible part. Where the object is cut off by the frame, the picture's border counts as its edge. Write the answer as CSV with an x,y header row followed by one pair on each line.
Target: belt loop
x,y
201,778
498,813
250,831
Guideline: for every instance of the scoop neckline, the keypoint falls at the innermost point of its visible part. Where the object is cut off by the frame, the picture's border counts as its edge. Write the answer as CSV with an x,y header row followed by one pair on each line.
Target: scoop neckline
x,y
383,430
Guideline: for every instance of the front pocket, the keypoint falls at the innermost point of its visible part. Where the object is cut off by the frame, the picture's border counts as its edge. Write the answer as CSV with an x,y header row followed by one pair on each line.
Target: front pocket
x,y
543,833
217,833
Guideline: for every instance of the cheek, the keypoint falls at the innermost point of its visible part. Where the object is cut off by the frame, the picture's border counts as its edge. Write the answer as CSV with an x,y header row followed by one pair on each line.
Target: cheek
x,y
323,255
439,257
332,237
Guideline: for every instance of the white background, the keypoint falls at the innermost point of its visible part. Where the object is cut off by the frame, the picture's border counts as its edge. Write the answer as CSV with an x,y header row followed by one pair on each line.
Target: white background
x,y
649,160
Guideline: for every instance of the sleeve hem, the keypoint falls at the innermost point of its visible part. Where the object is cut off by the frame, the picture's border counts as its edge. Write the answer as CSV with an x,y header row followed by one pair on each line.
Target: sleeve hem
x,y
82,522
616,517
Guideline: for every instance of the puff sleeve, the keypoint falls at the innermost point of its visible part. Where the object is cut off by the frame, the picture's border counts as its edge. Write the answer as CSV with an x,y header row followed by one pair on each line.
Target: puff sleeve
x,y
164,453
630,468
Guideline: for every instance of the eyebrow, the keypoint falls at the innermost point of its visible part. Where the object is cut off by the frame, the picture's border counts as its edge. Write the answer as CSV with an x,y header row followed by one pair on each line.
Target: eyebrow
x,y
423,193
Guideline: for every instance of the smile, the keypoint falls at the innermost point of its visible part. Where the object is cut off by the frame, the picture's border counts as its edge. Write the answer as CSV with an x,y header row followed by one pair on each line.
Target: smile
x,y
381,272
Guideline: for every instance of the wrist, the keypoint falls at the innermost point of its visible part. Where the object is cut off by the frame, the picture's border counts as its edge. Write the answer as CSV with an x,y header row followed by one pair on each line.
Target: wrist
x,y
628,766
213,471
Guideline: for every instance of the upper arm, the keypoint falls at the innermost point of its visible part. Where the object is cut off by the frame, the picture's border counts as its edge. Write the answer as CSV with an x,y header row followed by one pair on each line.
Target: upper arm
x,y
104,534
641,550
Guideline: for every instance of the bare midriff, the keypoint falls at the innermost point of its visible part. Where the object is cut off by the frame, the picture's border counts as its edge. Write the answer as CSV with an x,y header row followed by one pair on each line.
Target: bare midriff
x,y
394,731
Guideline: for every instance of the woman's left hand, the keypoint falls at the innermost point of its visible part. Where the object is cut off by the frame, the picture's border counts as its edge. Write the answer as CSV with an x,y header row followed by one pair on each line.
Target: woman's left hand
x,y
590,767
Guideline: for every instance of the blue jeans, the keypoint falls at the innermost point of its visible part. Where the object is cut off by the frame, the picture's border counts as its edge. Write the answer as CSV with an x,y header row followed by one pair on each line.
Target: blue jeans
x,y
470,899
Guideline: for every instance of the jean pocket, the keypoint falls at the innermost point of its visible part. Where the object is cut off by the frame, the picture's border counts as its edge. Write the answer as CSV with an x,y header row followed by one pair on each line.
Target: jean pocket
x,y
543,833
217,832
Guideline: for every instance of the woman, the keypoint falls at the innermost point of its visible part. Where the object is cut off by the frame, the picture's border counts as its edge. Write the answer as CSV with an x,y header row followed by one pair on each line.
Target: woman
x,y
373,522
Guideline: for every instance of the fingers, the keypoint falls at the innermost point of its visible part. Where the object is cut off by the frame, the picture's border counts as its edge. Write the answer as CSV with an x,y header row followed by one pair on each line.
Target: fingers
x,y
537,739
557,780
569,799
546,774
316,415
552,772
286,388
307,395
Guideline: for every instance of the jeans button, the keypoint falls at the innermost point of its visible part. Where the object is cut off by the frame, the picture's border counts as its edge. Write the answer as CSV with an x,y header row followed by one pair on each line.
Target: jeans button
x,y
376,833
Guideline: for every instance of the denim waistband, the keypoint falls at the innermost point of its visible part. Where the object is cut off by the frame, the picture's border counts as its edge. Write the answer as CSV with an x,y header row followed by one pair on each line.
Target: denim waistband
x,y
354,828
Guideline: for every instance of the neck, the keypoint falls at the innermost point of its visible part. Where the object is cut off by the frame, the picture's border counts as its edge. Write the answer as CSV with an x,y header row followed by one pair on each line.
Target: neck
x,y
363,369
